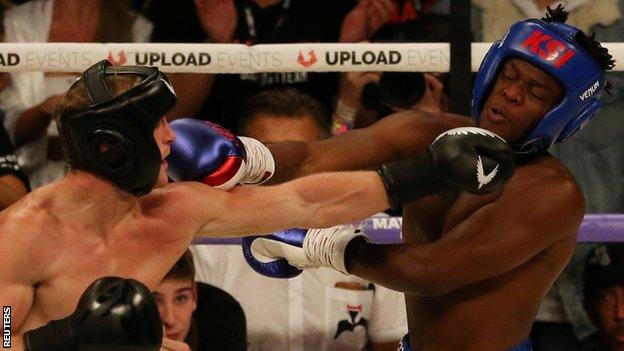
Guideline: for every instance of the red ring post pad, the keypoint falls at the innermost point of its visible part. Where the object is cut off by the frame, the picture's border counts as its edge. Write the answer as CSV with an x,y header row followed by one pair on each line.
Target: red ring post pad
x,y
596,228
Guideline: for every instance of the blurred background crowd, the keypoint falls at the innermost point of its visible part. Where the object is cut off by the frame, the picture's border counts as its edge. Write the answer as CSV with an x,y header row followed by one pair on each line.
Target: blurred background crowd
x,y
211,302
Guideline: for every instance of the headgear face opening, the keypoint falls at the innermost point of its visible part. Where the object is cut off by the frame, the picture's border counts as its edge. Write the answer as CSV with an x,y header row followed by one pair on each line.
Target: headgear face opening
x,y
552,48
113,137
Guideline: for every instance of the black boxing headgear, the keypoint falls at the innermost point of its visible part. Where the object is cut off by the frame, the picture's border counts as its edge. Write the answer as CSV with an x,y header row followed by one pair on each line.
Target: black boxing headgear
x,y
113,137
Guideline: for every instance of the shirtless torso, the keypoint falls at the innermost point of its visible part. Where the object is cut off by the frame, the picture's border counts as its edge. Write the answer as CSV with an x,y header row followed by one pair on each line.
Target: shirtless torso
x,y
493,306
59,239
60,242
473,268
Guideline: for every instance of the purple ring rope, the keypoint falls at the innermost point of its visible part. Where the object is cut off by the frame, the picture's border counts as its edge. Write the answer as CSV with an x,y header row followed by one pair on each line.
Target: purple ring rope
x,y
387,230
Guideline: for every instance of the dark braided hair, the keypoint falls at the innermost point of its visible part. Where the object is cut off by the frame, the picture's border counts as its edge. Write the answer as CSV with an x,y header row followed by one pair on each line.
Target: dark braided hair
x,y
599,53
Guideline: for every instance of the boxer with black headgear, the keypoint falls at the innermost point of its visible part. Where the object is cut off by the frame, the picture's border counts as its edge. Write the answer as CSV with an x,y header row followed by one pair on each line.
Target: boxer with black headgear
x,y
112,137
115,214
474,268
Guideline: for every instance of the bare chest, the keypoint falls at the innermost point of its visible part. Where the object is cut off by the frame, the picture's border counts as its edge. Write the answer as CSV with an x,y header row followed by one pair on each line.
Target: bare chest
x,y
78,264
426,220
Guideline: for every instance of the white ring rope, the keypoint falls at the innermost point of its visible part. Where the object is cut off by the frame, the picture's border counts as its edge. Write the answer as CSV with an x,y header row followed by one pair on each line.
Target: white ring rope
x,y
238,58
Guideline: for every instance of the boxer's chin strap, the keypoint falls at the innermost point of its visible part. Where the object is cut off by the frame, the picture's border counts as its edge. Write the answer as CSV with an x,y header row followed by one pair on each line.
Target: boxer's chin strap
x,y
326,247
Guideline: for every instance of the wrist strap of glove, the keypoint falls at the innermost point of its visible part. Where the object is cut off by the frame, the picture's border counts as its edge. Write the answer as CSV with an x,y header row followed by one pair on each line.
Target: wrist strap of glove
x,y
326,247
409,180
55,336
260,165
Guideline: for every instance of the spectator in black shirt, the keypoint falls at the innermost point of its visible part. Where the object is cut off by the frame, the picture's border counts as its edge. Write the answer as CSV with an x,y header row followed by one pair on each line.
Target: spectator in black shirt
x,y
196,314
13,183
604,297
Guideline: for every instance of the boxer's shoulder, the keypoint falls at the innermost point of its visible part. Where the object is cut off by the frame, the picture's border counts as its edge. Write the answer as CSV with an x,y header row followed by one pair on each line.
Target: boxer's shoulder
x,y
545,187
456,121
28,238
181,204
547,171
541,187
176,194
27,215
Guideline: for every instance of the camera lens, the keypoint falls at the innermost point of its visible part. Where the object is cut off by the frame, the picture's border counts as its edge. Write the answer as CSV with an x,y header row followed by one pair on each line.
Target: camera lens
x,y
401,89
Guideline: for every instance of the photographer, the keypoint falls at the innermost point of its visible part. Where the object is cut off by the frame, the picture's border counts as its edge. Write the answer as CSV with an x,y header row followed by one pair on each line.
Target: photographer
x,y
365,97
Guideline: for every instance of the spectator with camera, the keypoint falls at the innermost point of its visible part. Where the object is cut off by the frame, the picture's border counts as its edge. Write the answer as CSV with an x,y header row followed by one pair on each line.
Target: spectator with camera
x,y
364,97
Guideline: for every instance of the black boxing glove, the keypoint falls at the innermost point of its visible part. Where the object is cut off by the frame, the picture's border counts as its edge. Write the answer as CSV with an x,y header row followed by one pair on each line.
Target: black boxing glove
x,y
462,159
112,314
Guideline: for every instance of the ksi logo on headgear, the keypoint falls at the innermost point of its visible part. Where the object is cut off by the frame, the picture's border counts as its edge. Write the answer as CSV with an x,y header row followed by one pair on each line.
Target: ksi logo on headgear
x,y
548,48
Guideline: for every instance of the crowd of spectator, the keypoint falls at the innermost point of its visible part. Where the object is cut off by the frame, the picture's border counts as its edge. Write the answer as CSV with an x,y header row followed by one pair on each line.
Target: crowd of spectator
x,y
583,311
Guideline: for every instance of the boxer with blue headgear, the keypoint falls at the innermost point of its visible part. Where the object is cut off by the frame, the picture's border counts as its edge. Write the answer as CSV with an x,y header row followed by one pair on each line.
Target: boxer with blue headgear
x,y
474,269
553,47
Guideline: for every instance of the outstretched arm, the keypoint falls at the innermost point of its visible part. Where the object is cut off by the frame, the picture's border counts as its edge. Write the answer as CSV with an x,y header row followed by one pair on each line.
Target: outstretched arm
x,y
399,136
327,199
317,201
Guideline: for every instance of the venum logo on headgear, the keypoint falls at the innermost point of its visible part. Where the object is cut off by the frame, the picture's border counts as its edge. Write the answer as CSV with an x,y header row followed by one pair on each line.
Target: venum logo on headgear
x,y
590,91
548,48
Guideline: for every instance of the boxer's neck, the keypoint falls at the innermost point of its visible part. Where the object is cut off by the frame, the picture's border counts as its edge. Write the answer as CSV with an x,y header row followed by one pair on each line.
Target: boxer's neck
x,y
99,201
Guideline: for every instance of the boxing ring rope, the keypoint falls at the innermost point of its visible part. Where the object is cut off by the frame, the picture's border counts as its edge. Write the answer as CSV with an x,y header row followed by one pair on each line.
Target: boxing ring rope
x,y
238,58
318,57
596,228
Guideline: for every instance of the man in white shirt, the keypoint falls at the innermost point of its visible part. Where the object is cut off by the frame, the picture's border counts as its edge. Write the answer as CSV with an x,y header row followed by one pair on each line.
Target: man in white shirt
x,y
320,309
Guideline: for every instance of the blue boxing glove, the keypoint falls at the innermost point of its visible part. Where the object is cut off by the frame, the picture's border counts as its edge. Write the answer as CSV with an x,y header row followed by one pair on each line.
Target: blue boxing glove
x,y
204,151
285,254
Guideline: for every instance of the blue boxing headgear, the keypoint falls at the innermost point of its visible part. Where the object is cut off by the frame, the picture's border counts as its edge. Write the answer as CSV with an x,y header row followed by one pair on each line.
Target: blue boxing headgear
x,y
552,48
114,136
